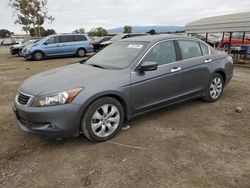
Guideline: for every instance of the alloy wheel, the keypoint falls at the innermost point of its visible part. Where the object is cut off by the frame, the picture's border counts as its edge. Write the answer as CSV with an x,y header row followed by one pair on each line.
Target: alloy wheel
x,y
81,53
38,56
216,87
105,120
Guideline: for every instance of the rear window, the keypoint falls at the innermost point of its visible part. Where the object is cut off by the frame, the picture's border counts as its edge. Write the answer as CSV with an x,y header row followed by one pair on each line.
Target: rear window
x,y
189,49
80,38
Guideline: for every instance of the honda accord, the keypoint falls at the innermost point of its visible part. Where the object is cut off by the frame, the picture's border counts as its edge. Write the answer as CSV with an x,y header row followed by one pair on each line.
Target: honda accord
x,y
128,78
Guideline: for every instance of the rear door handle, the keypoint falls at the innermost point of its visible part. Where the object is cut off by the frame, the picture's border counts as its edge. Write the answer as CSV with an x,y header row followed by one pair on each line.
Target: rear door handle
x,y
208,60
175,69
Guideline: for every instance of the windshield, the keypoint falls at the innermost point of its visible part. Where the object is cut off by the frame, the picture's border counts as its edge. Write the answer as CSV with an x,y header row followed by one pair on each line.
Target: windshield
x,y
41,41
118,55
28,42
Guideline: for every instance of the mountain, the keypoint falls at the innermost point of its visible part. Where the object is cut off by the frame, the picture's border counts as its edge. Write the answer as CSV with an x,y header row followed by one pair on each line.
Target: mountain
x,y
144,29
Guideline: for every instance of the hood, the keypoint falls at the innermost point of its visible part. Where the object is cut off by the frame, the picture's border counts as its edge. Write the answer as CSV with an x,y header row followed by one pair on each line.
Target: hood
x,y
62,79
17,46
29,46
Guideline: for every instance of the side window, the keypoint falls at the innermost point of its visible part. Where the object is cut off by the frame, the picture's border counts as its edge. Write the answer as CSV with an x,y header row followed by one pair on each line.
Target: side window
x,y
67,38
237,37
64,39
71,38
204,49
189,49
52,40
162,53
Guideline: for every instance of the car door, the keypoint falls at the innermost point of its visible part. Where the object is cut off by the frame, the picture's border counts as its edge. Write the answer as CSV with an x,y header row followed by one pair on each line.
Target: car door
x,y
195,67
52,47
151,89
68,43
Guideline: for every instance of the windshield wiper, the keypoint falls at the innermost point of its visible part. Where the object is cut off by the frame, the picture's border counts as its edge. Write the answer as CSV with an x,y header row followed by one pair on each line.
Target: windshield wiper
x,y
99,66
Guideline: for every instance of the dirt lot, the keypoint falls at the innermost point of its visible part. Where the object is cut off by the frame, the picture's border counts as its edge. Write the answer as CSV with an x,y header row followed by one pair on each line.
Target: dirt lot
x,y
194,144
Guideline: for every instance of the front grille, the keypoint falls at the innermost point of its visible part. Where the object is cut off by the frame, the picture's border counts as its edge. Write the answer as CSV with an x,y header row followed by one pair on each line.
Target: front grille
x,y
23,99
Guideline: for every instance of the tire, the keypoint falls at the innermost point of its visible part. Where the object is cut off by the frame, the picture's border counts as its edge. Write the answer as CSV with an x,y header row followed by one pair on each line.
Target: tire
x,y
19,53
214,88
38,55
81,53
99,126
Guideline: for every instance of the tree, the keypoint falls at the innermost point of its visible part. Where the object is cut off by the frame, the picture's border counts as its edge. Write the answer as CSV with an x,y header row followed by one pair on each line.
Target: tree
x,y
81,30
151,32
31,12
21,10
99,32
50,32
127,29
43,32
4,33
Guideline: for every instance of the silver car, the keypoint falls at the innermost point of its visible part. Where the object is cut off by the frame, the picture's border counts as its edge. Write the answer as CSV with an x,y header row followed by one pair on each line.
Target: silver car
x,y
128,78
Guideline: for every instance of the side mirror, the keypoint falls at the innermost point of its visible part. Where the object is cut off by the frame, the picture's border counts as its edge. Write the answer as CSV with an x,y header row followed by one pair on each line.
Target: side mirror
x,y
45,43
149,66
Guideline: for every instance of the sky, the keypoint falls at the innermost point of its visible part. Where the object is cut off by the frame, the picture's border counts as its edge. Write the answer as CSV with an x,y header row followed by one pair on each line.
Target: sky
x,y
72,14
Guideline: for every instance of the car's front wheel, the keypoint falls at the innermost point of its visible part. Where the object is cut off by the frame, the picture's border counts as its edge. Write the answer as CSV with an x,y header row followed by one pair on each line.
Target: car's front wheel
x,y
103,119
214,88
38,55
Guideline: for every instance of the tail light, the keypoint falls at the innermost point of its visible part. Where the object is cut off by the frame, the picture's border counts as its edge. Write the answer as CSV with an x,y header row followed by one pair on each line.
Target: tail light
x,y
91,43
230,59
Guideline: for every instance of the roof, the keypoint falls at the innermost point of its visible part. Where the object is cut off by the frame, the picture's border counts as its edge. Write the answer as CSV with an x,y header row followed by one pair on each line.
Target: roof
x,y
154,38
239,22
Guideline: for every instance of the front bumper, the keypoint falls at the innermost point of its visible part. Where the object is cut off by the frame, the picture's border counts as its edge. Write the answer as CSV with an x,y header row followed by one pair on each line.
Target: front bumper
x,y
60,121
14,51
27,55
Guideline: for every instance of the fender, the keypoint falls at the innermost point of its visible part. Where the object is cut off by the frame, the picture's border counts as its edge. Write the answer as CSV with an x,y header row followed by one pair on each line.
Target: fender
x,y
115,94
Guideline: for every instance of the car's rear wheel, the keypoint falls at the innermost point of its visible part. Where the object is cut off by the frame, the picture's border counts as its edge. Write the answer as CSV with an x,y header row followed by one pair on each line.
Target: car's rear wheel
x,y
38,55
103,119
215,88
81,53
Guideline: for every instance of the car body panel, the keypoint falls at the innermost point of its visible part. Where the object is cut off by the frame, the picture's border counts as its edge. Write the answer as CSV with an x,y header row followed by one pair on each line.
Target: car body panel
x,y
164,84
45,122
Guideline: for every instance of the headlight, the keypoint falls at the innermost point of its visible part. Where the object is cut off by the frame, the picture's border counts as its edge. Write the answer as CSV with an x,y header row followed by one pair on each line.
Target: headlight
x,y
64,97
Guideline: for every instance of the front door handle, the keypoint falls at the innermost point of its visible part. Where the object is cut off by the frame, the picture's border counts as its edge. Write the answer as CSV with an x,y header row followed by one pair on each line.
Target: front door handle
x,y
175,69
208,60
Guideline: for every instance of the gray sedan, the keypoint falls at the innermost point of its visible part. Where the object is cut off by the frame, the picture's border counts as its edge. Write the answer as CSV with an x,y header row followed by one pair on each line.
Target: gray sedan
x,y
128,78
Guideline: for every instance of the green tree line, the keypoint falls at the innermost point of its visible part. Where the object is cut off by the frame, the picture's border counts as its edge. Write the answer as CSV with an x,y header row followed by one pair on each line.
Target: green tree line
x,y
31,14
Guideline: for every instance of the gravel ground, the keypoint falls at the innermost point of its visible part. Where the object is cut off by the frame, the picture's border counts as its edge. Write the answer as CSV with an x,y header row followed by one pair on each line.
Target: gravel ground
x,y
193,144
